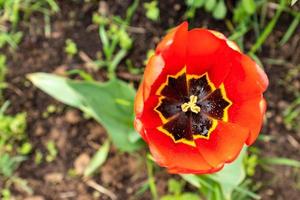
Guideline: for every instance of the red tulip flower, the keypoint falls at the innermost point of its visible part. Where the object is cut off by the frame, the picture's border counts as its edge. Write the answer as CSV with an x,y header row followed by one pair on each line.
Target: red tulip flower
x,y
200,101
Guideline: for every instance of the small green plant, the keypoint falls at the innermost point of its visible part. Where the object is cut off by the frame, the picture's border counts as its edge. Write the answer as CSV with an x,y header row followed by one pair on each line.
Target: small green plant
x,y
52,151
11,38
13,11
115,39
71,48
14,148
175,189
216,7
152,10
12,131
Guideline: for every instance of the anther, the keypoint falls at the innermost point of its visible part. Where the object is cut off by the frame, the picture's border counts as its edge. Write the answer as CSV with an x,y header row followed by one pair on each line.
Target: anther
x,y
191,105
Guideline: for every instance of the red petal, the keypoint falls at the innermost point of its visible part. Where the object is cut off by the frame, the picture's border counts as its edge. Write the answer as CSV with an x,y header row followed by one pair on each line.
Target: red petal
x,y
150,117
176,170
220,69
169,60
248,114
246,79
202,50
174,52
178,156
224,143
139,100
138,125
152,71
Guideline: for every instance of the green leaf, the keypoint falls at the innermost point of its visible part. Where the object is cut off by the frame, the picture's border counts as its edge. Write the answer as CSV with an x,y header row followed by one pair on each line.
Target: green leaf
x,y
103,101
195,3
210,5
192,179
174,187
152,10
249,6
220,10
57,87
231,175
98,159
9,164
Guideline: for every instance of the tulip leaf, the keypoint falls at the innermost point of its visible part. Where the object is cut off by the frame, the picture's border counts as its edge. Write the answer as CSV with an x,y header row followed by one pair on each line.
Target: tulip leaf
x,y
231,176
110,103
57,87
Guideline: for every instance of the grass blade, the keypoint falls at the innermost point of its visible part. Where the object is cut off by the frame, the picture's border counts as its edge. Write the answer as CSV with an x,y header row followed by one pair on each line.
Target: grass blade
x,y
281,161
268,29
290,30
98,159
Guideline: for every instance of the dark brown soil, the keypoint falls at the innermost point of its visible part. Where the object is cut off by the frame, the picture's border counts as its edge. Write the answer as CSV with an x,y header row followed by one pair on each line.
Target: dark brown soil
x,y
76,137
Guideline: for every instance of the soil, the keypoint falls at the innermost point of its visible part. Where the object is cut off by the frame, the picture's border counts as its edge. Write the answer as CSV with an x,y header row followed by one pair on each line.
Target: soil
x,y
77,138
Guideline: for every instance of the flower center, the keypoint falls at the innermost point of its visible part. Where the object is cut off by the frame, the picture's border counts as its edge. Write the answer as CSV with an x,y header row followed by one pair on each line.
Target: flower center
x,y
191,105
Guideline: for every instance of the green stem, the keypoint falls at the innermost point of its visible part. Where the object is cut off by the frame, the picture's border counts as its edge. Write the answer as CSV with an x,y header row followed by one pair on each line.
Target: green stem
x,y
151,179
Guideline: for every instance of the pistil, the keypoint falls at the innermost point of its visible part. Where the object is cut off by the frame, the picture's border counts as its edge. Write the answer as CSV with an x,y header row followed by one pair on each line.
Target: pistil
x,y
191,105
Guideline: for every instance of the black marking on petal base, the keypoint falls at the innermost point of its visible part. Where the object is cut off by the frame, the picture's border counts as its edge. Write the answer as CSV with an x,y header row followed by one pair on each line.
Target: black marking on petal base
x,y
185,125
200,87
169,107
175,88
201,125
214,105
179,127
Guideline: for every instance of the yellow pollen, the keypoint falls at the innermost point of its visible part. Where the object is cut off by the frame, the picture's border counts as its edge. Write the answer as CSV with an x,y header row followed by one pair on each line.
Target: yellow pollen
x,y
191,105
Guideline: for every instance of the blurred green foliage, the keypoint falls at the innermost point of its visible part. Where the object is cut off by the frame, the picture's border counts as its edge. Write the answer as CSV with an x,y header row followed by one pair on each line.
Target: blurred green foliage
x,y
12,131
116,41
14,11
175,189
71,48
216,7
152,10
14,148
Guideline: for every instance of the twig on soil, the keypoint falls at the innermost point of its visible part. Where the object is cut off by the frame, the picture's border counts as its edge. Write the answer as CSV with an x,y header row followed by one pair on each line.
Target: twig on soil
x,y
89,63
133,29
293,141
67,195
101,189
129,76
15,89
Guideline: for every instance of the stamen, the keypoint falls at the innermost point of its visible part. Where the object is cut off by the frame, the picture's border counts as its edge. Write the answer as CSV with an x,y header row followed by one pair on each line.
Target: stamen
x,y
191,105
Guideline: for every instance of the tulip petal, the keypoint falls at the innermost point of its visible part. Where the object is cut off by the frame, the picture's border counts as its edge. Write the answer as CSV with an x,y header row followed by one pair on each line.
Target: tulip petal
x,y
202,50
175,155
246,79
248,114
224,144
